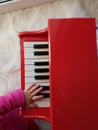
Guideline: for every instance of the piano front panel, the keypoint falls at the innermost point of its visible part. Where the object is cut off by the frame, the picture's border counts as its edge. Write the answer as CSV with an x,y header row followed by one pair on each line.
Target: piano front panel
x,y
74,89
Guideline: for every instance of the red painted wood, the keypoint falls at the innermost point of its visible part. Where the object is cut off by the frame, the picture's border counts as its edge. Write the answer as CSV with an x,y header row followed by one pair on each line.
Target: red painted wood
x,y
73,69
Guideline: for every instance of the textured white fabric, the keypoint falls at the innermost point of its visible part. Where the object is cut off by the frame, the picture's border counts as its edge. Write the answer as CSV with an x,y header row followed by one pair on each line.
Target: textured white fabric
x,y
33,18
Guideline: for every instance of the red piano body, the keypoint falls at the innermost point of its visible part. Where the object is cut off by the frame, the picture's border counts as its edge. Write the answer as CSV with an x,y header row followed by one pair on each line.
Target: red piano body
x,y
72,72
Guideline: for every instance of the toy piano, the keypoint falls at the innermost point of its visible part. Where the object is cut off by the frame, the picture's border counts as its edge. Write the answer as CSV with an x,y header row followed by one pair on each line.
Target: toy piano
x,y
63,59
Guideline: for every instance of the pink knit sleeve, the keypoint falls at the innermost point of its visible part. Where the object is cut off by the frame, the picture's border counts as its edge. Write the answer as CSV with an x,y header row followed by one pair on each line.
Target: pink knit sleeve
x,y
11,101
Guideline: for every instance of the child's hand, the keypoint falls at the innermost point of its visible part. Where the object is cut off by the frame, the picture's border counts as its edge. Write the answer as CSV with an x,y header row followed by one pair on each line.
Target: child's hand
x,y
30,94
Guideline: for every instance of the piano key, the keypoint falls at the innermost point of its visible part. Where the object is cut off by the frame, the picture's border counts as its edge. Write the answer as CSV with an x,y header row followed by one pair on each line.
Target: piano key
x,y
40,53
41,77
32,73
38,76
31,44
32,56
32,67
41,70
44,84
33,80
41,84
29,68
41,63
45,91
45,95
41,46
45,102
30,50
28,44
27,83
29,73
45,87
36,61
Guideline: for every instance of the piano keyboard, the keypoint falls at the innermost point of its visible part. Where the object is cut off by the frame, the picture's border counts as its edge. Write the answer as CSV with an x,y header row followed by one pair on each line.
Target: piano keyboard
x,y
36,60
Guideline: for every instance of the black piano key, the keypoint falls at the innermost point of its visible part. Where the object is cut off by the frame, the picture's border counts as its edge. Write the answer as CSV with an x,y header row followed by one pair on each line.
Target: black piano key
x,y
41,70
41,77
45,87
4,1
40,53
40,46
45,95
41,63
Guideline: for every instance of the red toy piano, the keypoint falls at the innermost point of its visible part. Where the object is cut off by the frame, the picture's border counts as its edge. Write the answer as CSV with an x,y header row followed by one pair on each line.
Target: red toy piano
x,y
63,59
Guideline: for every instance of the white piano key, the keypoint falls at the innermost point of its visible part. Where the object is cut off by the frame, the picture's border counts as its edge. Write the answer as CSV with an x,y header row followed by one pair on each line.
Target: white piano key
x,y
32,67
45,91
32,50
32,56
44,84
33,80
40,50
32,73
28,50
30,44
45,102
41,84
29,73
30,61
29,68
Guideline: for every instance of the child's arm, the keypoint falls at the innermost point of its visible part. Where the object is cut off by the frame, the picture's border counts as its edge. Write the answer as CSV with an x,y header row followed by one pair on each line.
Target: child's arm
x,y
10,101
19,98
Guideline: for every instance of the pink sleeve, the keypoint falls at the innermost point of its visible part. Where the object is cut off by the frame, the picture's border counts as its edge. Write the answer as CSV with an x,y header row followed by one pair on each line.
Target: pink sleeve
x,y
11,101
